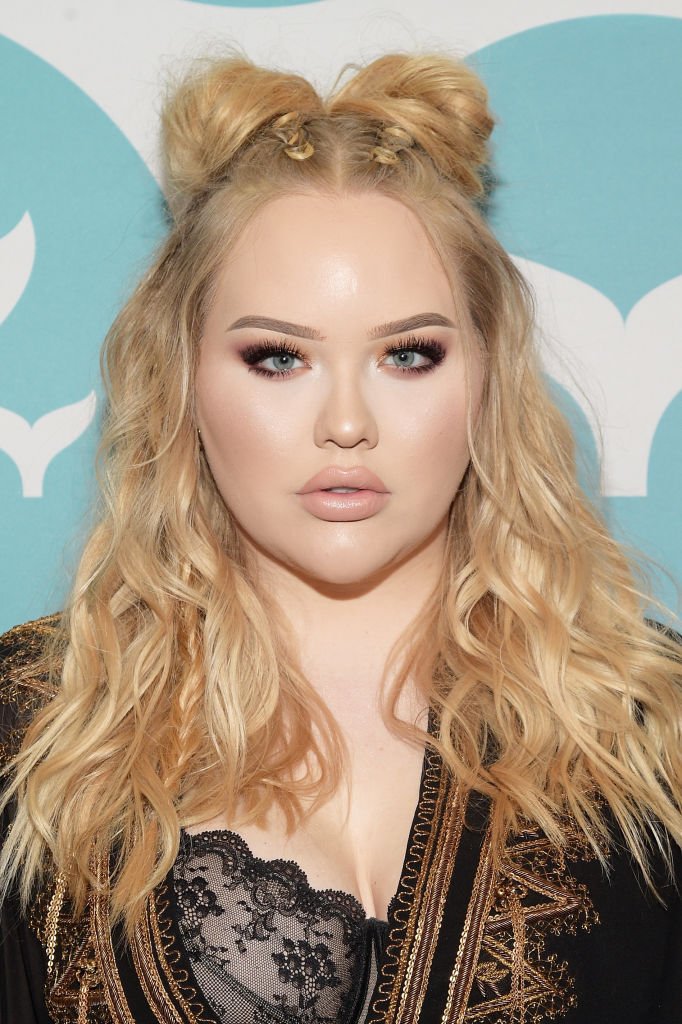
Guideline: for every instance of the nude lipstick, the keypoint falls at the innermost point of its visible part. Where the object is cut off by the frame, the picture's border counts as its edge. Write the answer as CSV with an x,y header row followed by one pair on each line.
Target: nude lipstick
x,y
340,495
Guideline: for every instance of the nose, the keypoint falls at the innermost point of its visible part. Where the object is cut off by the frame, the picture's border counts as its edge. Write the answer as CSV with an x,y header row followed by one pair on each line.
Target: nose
x,y
345,417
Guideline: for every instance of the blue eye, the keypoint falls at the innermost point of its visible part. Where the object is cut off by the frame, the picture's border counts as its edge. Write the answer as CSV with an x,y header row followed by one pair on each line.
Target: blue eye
x,y
409,349
412,355
281,357
405,358
281,361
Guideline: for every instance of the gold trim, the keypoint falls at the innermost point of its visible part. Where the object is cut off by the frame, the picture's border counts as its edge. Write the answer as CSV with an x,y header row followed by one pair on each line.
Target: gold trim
x,y
52,921
88,977
157,937
515,903
408,896
426,938
147,970
468,953
101,937
421,896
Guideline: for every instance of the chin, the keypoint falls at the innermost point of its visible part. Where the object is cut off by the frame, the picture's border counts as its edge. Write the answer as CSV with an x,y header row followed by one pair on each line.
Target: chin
x,y
341,563
355,569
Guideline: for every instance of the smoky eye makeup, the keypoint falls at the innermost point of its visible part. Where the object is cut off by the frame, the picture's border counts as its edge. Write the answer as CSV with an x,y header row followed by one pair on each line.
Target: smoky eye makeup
x,y
255,353
286,353
429,347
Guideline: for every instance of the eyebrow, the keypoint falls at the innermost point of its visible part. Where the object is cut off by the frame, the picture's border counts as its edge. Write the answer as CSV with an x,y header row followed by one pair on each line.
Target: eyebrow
x,y
410,323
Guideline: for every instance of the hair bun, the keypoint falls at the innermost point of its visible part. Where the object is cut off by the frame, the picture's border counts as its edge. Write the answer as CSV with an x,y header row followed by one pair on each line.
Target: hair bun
x,y
440,102
214,111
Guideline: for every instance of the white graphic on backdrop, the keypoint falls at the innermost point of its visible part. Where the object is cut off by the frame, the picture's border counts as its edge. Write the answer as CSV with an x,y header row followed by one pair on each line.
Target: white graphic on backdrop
x,y
623,374
17,255
32,448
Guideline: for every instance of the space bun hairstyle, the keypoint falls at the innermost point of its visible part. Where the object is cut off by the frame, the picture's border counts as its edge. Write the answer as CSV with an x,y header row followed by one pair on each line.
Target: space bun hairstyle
x,y
235,110
441,104
178,690
219,110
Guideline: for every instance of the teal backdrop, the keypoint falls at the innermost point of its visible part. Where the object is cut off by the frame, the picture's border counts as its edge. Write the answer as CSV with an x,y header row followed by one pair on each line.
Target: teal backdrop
x,y
587,161
589,183
79,215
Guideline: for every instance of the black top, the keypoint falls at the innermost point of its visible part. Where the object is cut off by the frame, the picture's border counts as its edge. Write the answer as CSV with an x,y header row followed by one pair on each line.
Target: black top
x,y
532,935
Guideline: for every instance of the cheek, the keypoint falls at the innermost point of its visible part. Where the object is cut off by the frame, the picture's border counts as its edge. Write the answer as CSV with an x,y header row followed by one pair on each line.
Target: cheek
x,y
238,424
432,440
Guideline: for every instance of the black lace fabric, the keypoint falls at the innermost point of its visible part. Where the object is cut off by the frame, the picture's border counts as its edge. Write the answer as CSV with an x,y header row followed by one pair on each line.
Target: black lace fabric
x,y
264,945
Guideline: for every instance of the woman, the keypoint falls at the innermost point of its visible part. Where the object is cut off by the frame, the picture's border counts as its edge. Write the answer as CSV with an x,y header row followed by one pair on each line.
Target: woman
x,y
353,714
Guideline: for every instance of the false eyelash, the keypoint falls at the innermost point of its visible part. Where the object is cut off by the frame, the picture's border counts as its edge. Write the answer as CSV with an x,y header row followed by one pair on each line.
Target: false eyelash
x,y
253,354
425,346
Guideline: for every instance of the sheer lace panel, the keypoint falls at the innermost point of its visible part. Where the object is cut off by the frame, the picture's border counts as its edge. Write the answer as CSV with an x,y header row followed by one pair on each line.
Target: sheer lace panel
x,y
264,945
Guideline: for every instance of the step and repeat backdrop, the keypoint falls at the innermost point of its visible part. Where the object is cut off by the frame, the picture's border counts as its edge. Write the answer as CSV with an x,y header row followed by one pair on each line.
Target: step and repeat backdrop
x,y
588,159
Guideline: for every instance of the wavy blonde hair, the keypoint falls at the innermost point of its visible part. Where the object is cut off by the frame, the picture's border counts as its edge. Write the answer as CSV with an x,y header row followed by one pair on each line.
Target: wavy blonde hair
x,y
174,694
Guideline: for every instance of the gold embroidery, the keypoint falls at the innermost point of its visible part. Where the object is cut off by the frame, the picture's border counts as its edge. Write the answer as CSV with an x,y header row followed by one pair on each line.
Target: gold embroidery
x,y
100,928
21,690
73,989
420,898
52,920
470,940
170,958
426,937
503,970
87,977
147,972
410,886
73,983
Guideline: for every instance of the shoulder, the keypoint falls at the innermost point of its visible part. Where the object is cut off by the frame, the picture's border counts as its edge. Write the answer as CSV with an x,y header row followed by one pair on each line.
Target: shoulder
x,y
667,632
24,682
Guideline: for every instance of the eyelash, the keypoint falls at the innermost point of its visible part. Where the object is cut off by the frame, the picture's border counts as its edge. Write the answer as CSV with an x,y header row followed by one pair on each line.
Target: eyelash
x,y
254,354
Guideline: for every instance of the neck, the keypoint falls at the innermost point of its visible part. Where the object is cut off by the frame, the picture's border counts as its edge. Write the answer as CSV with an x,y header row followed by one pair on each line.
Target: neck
x,y
343,634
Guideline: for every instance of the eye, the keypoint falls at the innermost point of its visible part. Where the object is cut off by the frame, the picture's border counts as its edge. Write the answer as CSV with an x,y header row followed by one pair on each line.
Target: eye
x,y
280,356
416,355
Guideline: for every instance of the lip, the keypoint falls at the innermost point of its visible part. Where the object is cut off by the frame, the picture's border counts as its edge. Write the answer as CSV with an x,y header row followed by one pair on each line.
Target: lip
x,y
369,498
344,508
337,476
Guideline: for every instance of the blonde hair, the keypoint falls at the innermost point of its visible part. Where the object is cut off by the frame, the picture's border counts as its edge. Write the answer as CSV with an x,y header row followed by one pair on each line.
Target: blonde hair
x,y
174,694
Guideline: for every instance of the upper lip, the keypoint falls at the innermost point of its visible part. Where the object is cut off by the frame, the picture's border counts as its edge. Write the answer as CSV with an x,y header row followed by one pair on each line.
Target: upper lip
x,y
336,476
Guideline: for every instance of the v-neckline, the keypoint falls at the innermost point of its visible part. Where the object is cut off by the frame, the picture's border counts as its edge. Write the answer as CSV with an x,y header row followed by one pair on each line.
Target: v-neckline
x,y
432,723
422,821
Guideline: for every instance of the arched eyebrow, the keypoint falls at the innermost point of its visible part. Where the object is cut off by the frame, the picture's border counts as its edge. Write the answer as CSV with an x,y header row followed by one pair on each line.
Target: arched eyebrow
x,y
268,323
410,323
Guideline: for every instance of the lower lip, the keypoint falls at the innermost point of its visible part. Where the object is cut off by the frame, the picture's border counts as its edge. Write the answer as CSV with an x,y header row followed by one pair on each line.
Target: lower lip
x,y
344,508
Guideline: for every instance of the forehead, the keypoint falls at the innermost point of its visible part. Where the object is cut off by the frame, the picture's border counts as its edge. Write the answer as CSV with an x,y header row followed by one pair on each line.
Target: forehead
x,y
365,254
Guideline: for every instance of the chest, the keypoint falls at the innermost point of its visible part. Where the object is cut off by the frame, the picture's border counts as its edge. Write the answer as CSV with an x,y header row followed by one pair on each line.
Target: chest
x,y
356,842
